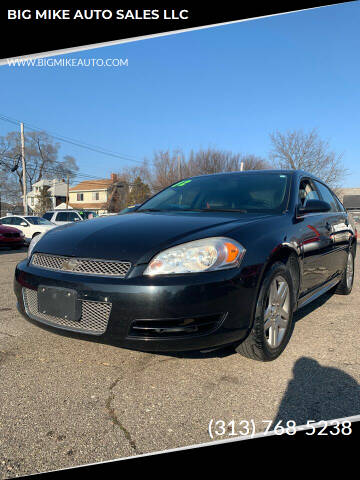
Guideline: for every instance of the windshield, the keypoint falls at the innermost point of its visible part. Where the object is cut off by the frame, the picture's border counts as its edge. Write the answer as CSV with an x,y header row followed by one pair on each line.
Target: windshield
x,y
38,221
238,192
87,215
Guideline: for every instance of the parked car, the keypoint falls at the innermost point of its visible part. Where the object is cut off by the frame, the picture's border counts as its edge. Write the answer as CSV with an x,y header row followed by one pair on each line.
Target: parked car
x,y
61,217
210,261
11,237
29,225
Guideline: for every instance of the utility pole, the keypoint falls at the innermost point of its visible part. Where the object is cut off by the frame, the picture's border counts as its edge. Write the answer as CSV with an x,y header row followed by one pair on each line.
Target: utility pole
x,y
23,168
67,191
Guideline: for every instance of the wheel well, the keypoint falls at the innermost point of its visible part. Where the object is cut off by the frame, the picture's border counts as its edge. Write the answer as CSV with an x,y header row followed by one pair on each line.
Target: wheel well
x,y
353,244
288,257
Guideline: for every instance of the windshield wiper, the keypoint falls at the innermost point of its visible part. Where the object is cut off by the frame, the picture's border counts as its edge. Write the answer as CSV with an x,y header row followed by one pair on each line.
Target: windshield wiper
x,y
149,210
238,210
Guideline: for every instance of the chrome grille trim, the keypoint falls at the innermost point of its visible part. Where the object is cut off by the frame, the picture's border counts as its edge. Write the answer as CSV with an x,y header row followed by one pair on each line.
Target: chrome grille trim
x,y
87,266
94,317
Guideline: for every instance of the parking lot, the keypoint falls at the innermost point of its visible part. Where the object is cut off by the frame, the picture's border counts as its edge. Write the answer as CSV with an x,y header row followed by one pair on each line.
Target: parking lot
x,y
65,402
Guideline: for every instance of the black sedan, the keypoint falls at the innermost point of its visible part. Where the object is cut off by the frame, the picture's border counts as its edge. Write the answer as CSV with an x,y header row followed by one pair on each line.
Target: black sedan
x,y
212,260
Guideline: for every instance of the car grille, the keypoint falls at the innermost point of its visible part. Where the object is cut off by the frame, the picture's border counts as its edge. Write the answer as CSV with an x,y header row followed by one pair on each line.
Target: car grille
x,y
81,265
175,327
94,316
11,235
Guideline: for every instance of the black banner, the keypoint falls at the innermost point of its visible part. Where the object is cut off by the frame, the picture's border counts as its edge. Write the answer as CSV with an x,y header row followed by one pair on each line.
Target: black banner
x,y
39,29
322,444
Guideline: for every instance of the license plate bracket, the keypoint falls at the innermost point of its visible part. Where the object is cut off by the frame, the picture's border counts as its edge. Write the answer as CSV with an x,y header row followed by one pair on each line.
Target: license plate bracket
x,y
59,302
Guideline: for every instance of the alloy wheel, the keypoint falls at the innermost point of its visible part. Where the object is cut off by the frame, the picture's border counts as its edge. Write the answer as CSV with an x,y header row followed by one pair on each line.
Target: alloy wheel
x,y
277,311
350,270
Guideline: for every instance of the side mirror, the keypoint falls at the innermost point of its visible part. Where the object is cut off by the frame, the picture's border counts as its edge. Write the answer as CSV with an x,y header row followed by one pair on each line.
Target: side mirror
x,y
23,224
314,206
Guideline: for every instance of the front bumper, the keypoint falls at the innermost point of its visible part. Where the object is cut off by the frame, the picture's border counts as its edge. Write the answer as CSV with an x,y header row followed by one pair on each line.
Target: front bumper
x,y
12,243
229,296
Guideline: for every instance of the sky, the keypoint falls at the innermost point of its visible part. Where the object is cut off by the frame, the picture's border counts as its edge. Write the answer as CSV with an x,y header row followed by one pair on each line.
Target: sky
x,y
226,87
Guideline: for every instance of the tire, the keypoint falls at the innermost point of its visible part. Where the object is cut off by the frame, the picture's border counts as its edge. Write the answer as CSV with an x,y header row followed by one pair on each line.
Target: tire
x,y
35,235
263,344
347,281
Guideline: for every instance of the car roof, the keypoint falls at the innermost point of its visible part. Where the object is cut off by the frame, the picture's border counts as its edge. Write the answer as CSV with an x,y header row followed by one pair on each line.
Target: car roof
x,y
297,173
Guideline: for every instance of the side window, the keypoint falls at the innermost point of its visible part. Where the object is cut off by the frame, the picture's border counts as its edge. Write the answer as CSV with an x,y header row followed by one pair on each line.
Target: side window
x,y
73,217
62,217
307,192
339,204
16,221
48,215
6,221
327,196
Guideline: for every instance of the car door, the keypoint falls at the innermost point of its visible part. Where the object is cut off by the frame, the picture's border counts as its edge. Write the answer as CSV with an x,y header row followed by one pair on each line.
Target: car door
x,y
339,231
22,225
313,239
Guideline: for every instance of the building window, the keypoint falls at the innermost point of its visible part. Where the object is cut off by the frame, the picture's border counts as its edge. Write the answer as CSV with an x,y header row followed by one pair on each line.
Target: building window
x,y
95,196
80,197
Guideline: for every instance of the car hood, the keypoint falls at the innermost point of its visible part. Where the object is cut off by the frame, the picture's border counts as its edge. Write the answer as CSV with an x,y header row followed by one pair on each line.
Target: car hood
x,y
6,229
136,237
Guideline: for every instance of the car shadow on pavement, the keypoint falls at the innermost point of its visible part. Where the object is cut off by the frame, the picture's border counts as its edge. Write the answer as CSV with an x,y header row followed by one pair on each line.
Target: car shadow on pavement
x,y
319,302
8,250
219,352
318,393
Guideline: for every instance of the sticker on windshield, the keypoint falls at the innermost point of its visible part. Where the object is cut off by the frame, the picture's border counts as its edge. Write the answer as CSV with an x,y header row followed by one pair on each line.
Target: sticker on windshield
x,y
182,183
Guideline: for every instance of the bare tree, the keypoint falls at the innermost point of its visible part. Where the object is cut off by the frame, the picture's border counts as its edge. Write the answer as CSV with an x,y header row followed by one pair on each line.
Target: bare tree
x,y
216,161
253,162
169,167
9,188
41,155
296,149
165,169
43,201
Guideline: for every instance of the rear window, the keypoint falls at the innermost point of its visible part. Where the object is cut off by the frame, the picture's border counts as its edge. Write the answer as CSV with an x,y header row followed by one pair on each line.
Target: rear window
x,y
62,217
38,220
48,215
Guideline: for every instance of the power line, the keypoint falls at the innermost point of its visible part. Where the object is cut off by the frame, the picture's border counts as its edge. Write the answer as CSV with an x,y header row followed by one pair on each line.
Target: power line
x,y
78,143
50,169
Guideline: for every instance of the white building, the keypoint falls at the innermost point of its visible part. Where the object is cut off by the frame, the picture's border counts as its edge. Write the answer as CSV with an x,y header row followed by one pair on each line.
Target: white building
x,y
56,191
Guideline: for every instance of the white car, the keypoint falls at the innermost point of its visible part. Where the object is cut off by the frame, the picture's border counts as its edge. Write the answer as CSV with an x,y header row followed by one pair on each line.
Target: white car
x,y
29,225
62,217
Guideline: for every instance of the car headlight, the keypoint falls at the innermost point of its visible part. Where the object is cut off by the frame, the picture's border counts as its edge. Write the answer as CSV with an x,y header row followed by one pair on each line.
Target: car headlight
x,y
33,242
207,254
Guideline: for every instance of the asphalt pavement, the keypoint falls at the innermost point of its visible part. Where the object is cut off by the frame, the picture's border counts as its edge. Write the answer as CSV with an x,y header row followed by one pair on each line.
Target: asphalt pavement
x,y
67,402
